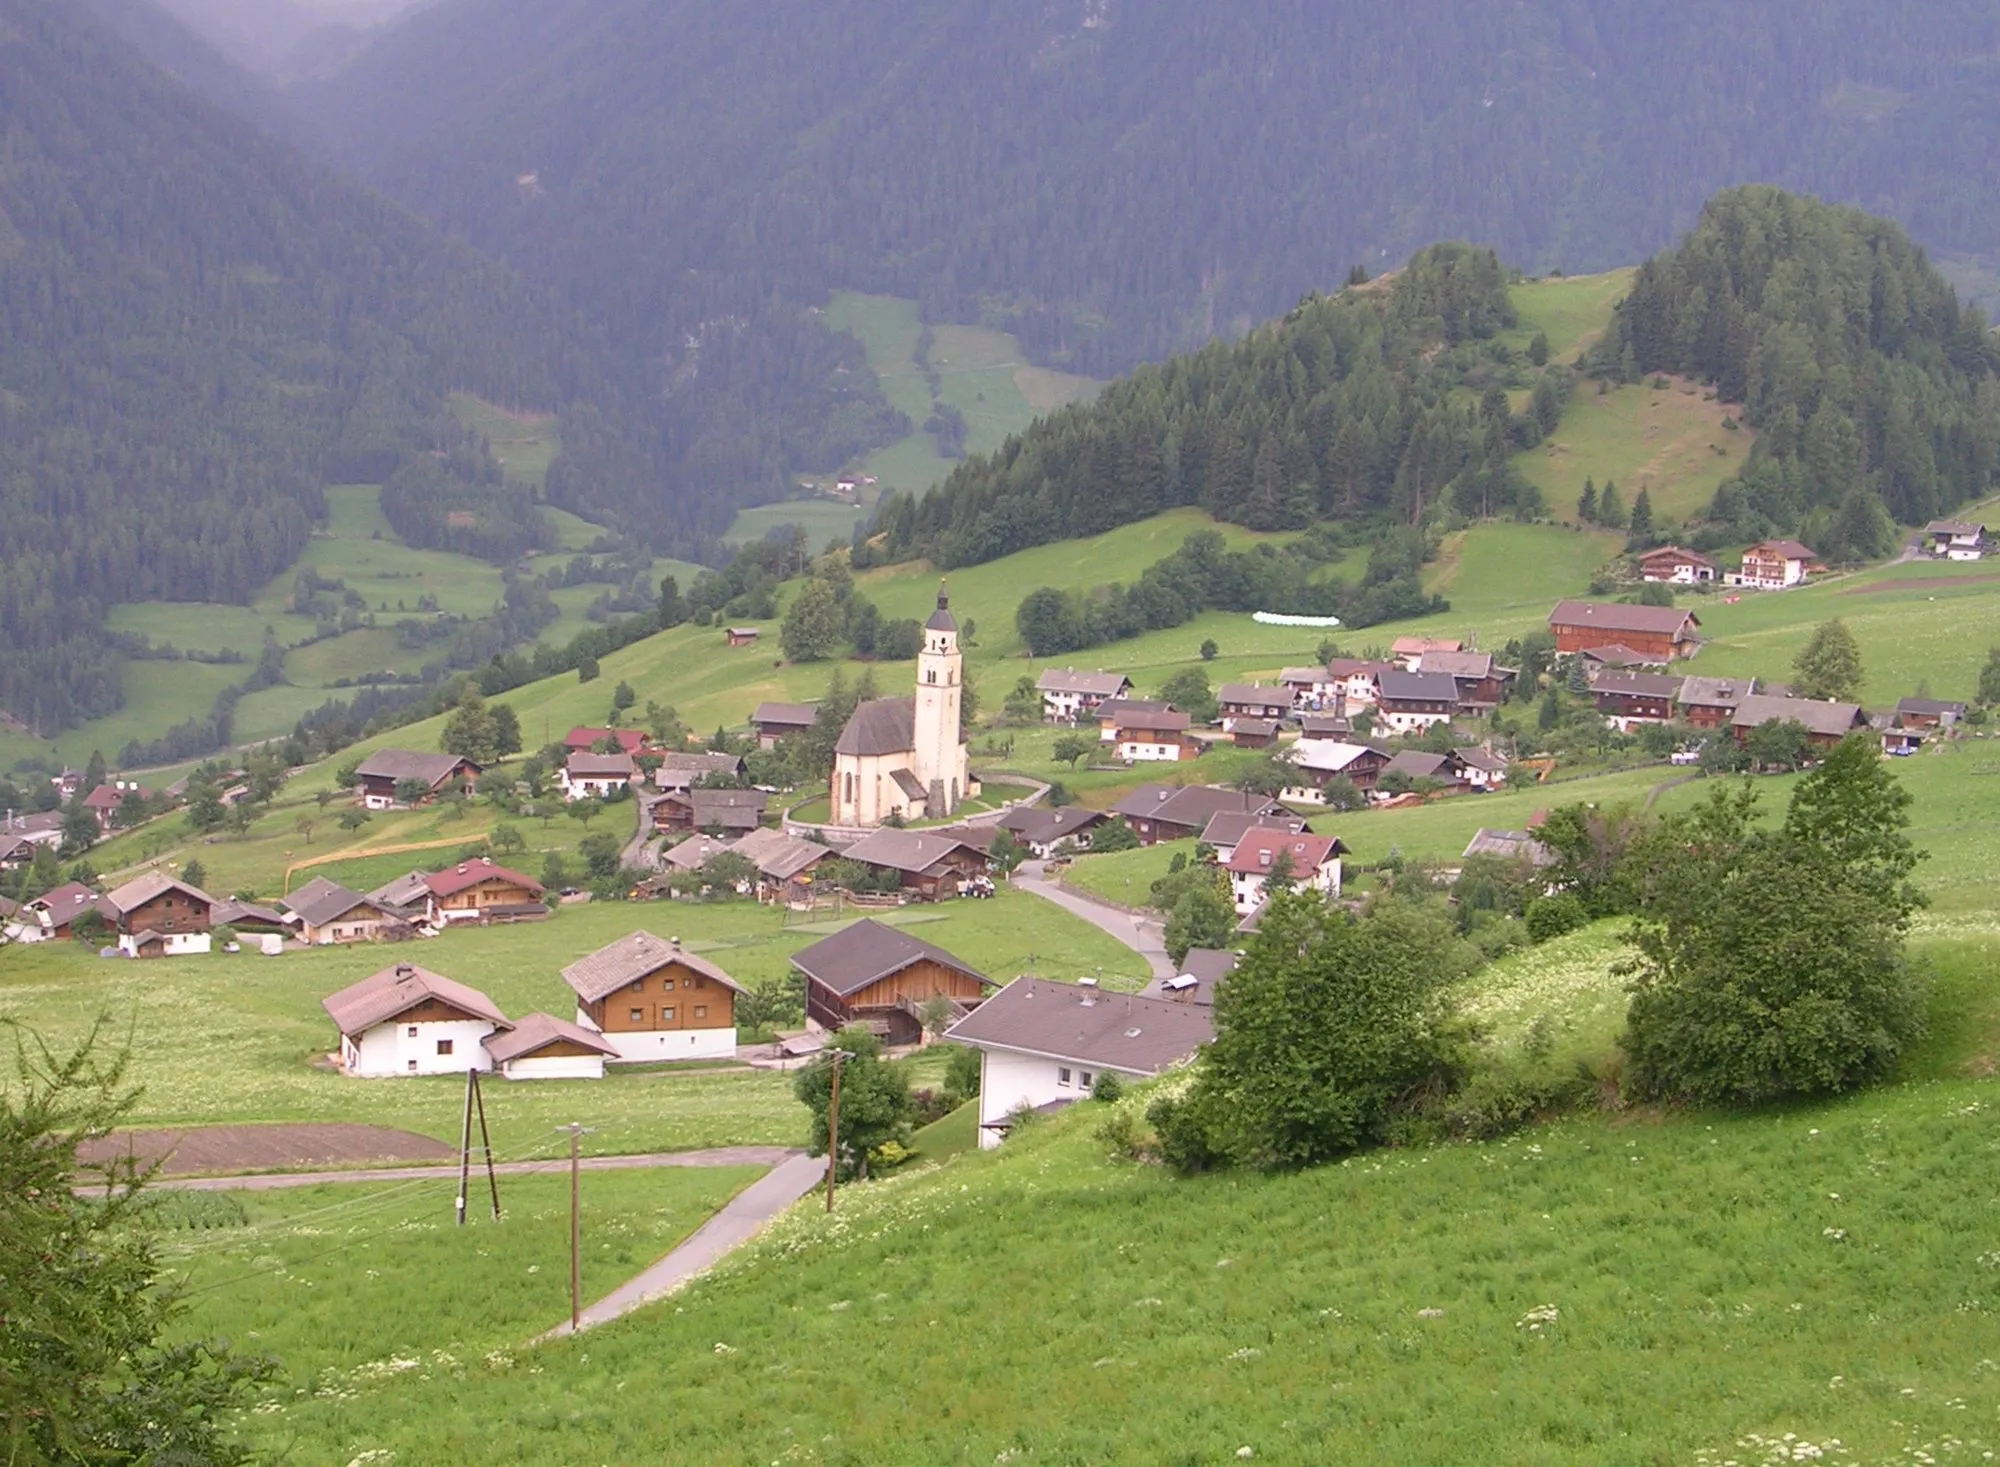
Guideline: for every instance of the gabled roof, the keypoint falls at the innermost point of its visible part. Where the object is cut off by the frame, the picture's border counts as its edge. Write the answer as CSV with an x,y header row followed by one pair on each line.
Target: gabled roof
x,y
778,856
598,766
1788,549
404,892
105,798
631,958
582,740
1257,728
868,951
1342,668
1324,725
1678,555
1817,717
695,852
1087,684
234,913
382,996
454,879
1304,676
1047,826
1929,707
1087,1026
1191,805
914,851
1476,758
1253,695
1417,646
1955,528
154,884
539,1031
1714,692
1228,827
1620,616
1418,687
71,900
1624,683
1457,664
1418,764
785,715
1113,709
1167,720
331,905
880,726
1256,853
1617,654
1510,845
1327,756
430,770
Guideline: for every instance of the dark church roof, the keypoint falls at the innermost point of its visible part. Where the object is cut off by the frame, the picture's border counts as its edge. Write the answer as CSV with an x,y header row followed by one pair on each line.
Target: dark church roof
x,y
880,726
942,620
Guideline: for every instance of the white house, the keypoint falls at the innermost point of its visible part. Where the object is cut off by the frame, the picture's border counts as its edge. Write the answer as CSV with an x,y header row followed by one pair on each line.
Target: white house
x,y
1143,737
1068,694
1314,861
1956,539
1043,1045
1773,565
543,1047
407,1020
595,776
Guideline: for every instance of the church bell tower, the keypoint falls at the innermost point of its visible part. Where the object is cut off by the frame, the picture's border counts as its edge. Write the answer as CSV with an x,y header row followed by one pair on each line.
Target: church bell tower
x,y
939,756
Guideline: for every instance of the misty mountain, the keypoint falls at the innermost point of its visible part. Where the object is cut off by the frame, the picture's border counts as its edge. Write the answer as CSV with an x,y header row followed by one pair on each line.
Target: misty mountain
x,y
283,39
1118,179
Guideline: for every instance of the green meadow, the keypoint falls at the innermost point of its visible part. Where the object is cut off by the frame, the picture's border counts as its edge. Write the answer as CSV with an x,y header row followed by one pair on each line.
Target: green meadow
x,y
524,443
1571,310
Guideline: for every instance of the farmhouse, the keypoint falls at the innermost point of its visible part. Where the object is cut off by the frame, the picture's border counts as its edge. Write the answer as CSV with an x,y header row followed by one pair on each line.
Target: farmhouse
x,y
1597,659
1310,687
1626,698
1152,737
871,974
1665,632
105,800
1112,710
387,772
16,851
1357,681
480,891
1411,765
1955,539
1409,651
1710,702
1314,862
408,1020
53,913
785,864
1165,812
1325,726
1480,769
1042,830
774,721
1772,565
543,1047
1254,733
685,770
1413,701
410,893
1225,831
930,864
1826,724
651,999
581,740
907,756
328,913
1321,761
1674,566
44,829
159,917
695,852
728,811
1043,1044
1482,685
1238,701
1068,695
595,776
1928,713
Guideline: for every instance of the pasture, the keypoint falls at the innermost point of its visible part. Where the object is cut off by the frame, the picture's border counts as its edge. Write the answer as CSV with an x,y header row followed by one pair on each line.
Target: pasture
x,y
1571,310
1669,441
524,443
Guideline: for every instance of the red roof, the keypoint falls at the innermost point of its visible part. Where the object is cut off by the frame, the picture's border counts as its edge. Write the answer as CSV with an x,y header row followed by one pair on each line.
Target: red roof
x,y
1259,848
580,739
460,878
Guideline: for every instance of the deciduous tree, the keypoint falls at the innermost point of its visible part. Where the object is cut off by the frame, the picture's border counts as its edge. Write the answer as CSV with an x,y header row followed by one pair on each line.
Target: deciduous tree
x,y
1829,665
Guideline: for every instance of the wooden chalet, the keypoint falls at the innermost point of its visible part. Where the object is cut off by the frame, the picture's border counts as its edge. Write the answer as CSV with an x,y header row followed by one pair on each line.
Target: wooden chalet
x,y
596,776
1321,761
1626,698
326,913
56,912
1955,539
1482,683
1143,736
1410,765
1314,862
774,721
1413,701
651,999
1068,695
884,978
1325,726
930,864
1665,632
1409,652
543,1047
1111,710
1826,724
1672,565
1254,733
785,865
1774,565
684,769
1710,702
1163,812
1928,713
733,812
1237,701
161,917
1043,831
481,891
386,773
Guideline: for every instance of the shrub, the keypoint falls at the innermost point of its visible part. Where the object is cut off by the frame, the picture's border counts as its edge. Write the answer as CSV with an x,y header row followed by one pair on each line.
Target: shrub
x,y
1108,1087
1552,916
1114,835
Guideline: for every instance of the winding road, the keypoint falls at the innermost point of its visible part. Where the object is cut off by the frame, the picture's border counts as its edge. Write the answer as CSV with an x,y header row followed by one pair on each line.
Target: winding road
x,y
1143,935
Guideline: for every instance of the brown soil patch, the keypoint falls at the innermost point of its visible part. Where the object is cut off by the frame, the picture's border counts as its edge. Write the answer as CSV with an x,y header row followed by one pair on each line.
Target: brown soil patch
x,y
212,1149
1914,585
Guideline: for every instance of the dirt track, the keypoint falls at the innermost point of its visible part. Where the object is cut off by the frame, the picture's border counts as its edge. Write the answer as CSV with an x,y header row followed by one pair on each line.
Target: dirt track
x,y
199,1149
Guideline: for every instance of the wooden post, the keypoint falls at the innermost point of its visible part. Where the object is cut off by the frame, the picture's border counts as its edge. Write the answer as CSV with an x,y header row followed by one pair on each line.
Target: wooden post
x,y
465,1146
833,1129
486,1140
575,1230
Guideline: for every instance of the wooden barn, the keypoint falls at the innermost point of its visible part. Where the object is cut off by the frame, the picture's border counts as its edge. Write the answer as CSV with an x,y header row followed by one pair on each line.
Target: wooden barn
x,y
882,977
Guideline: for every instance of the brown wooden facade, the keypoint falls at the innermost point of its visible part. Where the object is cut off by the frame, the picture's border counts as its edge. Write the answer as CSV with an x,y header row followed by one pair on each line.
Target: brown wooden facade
x,y
170,912
492,897
669,998
891,1003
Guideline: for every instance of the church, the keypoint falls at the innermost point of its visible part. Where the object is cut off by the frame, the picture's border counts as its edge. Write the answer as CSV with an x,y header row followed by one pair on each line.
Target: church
x,y
905,757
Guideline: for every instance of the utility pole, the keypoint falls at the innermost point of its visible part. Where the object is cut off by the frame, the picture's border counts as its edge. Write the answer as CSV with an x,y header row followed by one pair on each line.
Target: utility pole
x,y
833,1129
486,1141
465,1147
577,1132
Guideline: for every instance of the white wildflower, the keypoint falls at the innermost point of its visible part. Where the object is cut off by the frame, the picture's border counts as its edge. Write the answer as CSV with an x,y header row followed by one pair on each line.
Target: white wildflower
x,y
1430,1314
722,1349
1534,1319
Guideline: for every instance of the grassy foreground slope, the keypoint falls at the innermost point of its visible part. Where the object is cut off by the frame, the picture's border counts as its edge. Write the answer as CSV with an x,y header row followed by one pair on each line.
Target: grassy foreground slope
x,y
1621,1295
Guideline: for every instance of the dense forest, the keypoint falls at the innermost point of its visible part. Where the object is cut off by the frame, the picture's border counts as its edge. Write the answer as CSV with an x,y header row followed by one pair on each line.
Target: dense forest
x,y
1875,392
1116,181
1381,402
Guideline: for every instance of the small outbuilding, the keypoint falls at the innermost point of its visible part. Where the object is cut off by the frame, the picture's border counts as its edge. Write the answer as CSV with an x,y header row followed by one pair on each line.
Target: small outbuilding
x,y
543,1047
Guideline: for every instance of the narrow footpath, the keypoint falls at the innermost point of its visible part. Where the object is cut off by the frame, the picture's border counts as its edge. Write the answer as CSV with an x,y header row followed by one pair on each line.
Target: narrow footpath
x,y
1145,937
771,1156
741,1220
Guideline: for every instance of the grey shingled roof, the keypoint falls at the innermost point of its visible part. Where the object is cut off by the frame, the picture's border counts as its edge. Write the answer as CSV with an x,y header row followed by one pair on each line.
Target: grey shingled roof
x,y
1227,827
382,996
1929,707
137,892
778,856
405,892
857,956
431,770
1418,764
1045,827
1620,616
1714,692
1509,845
539,1031
1088,684
1418,687
695,852
1087,1026
906,850
1253,695
1625,683
599,766
631,958
1457,664
1190,805
330,905
1817,717
785,715
880,726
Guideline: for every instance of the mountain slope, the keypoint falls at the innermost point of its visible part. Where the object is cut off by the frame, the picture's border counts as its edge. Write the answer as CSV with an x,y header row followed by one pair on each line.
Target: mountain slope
x,y
1117,181
197,328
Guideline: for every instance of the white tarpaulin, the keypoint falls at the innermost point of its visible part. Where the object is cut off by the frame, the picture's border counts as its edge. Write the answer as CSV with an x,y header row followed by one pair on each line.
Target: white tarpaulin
x,y
1278,619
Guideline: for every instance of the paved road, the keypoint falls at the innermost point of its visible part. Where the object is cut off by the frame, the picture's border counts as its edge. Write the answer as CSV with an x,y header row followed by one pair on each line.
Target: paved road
x,y
771,1156
1144,937
634,856
745,1217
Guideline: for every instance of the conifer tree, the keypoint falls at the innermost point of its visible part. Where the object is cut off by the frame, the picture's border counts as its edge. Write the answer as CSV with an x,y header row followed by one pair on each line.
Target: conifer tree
x,y
1641,531
1586,502
1611,507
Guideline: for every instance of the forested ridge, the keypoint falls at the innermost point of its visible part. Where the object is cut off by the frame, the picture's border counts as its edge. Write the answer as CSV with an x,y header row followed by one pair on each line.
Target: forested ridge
x,y
1876,393
1384,402
1116,180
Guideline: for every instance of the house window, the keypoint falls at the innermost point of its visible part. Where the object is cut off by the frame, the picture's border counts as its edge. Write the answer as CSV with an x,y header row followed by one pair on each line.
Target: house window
x,y
1062,1075
666,1016
412,1066
701,1011
666,985
638,1016
639,985
444,1045
413,1031
1087,1079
